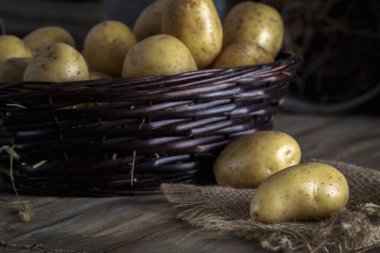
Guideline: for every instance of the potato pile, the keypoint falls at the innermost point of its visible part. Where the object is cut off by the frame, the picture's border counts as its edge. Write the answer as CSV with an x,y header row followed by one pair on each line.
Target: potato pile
x,y
46,54
169,37
286,190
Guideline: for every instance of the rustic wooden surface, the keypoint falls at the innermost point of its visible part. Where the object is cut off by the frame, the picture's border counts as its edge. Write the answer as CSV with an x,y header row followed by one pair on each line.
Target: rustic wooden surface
x,y
149,224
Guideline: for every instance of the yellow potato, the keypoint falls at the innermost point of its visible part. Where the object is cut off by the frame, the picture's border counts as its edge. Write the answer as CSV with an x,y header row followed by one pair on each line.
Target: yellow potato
x,y
93,75
242,53
158,55
12,70
196,23
45,36
106,46
303,192
13,47
249,160
148,23
57,62
256,22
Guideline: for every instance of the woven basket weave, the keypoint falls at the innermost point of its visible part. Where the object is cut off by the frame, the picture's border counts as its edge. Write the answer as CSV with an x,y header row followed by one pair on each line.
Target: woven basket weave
x,y
127,136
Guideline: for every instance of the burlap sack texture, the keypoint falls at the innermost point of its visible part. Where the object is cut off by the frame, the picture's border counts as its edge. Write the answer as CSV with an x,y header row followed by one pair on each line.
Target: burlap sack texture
x,y
226,210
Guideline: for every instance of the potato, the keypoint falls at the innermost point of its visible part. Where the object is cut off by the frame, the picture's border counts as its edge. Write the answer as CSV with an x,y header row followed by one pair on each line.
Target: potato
x,y
242,53
12,70
58,62
249,160
94,75
196,23
13,47
158,55
303,192
148,22
45,36
106,46
255,22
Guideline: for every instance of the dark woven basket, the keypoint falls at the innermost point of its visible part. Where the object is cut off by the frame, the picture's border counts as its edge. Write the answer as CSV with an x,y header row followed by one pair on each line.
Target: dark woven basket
x,y
127,136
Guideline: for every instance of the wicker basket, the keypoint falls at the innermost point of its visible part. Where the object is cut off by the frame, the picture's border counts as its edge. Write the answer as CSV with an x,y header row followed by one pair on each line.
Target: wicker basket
x,y
127,136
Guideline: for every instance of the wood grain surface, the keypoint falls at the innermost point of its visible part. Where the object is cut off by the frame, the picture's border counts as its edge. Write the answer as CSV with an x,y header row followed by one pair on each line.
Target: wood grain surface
x,y
149,224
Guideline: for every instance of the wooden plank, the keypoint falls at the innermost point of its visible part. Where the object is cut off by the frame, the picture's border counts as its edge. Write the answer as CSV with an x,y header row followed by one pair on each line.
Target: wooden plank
x,y
117,224
301,125
180,237
354,139
34,248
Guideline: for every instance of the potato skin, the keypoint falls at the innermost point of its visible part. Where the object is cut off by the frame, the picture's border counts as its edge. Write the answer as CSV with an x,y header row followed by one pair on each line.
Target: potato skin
x,y
197,24
95,75
302,192
106,46
57,62
12,70
242,53
13,47
158,55
255,22
249,160
45,36
148,22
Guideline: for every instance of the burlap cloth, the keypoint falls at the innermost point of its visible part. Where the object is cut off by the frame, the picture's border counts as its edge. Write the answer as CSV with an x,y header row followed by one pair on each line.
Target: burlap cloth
x,y
223,209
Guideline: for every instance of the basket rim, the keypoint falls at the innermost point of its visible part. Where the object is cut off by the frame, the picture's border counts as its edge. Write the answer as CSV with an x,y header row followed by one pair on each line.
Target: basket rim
x,y
287,58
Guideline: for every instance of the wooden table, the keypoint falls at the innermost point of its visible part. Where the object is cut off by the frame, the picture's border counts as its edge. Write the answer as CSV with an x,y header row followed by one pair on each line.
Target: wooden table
x,y
149,224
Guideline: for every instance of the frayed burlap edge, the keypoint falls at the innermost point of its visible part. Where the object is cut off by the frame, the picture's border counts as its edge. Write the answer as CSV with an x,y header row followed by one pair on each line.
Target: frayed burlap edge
x,y
354,229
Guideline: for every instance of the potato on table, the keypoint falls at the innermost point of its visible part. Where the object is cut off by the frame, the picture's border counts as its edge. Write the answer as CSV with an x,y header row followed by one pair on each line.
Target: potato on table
x,y
302,192
249,160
